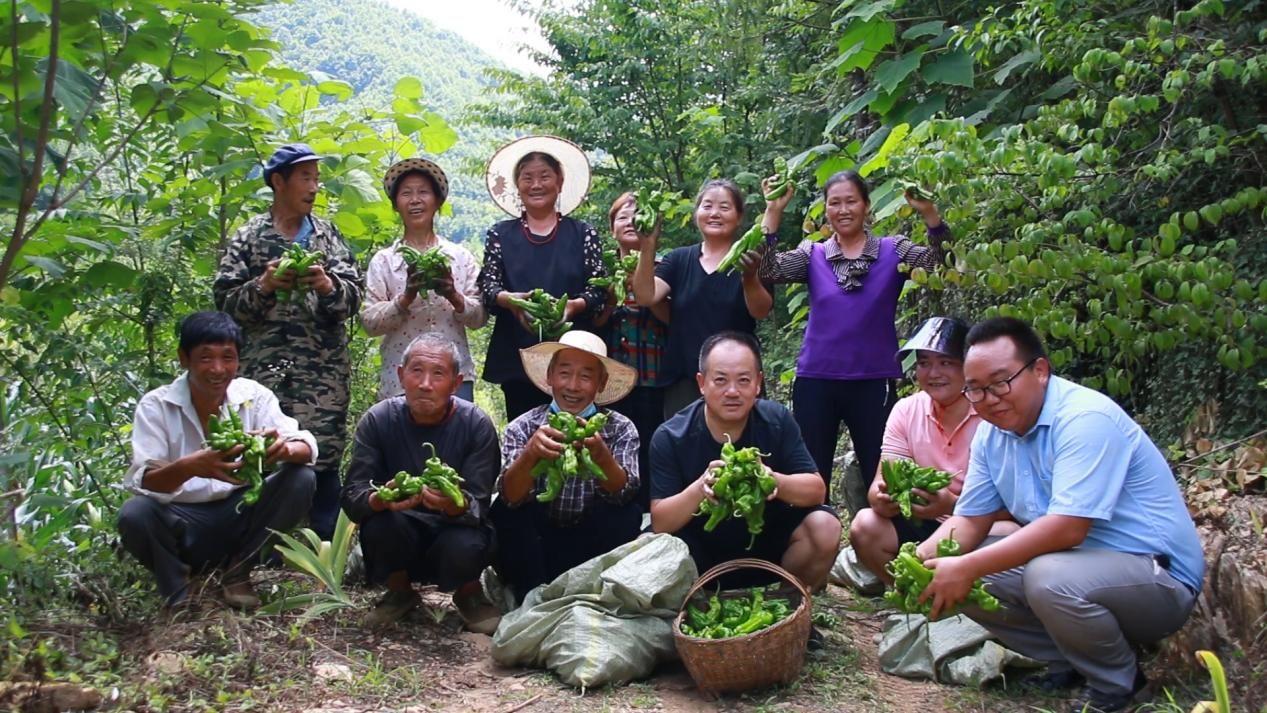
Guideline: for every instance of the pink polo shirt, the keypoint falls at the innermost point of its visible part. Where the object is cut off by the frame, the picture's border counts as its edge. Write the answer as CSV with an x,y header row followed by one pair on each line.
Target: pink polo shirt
x,y
913,432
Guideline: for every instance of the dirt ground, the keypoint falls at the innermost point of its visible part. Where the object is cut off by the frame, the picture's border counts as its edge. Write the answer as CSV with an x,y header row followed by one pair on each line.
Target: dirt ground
x,y
215,659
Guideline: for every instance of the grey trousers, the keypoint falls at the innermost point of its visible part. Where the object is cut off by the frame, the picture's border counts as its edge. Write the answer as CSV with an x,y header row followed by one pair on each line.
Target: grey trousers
x,y
1083,609
172,540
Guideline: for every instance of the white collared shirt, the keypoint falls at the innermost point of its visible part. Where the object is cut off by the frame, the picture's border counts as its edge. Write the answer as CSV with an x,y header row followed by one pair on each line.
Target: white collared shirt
x,y
166,428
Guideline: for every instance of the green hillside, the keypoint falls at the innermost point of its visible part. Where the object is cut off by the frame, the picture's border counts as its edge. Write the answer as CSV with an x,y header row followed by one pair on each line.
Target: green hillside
x,y
371,45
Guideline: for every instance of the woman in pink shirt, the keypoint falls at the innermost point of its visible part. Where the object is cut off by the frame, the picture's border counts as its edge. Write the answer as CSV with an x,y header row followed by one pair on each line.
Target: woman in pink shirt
x,y
934,428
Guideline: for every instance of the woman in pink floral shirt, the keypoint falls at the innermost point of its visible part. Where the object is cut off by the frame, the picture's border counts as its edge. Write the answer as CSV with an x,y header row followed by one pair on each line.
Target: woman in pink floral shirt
x,y
396,306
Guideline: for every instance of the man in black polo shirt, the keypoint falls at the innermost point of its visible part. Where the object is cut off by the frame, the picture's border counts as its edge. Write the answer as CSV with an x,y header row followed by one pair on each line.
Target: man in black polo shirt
x,y
801,534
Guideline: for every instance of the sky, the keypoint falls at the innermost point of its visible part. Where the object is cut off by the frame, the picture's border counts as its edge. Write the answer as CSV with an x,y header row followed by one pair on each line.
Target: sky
x,y
492,25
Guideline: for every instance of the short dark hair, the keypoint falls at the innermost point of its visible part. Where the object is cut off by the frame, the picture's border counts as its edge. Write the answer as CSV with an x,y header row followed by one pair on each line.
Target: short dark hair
x,y
851,176
1028,344
742,338
208,328
725,184
549,160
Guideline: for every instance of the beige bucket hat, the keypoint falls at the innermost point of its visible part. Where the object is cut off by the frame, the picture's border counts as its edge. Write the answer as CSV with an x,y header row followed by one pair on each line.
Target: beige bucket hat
x,y
621,378
501,172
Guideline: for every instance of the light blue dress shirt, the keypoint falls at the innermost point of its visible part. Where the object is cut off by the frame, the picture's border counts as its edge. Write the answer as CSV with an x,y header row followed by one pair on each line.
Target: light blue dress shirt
x,y
1085,457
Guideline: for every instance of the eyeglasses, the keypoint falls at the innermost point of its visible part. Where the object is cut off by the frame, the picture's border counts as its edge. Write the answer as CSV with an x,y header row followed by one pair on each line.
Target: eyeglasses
x,y
976,394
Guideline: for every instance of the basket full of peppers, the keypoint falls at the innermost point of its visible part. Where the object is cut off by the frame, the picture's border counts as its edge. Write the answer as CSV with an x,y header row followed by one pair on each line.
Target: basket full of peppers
x,y
738,639
911,577
740,490
544,313
435,475
295,262
902,476
575,461
226,433
427,267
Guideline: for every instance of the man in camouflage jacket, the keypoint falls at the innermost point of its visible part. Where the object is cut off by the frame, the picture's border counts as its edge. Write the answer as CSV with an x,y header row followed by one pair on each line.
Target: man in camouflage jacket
x,y
297,348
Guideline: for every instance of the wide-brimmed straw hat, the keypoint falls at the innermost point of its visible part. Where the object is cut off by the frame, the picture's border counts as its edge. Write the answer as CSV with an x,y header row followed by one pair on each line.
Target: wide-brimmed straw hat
x,y
621,378
501,172
409,165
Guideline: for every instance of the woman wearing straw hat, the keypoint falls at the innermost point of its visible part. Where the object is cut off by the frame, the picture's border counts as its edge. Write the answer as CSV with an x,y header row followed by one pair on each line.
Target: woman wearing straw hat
x,y
399,308
702,301
538,180
537,541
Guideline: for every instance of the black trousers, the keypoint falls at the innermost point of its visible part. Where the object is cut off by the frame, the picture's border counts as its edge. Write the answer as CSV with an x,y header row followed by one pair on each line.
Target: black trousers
x,y
173,539
522,397
531,550
821,405
429,551
645,407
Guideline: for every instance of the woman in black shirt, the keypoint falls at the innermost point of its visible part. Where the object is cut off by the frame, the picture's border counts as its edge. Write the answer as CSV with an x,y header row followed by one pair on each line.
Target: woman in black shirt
x,y
702,301
539,179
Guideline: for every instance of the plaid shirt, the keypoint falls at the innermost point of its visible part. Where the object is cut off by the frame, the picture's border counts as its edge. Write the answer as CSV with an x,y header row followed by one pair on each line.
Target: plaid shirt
x,y
578,493
637,338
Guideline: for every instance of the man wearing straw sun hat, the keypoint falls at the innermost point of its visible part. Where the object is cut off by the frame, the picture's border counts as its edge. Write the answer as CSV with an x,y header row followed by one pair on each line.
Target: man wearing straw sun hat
x,y
538,180
537,541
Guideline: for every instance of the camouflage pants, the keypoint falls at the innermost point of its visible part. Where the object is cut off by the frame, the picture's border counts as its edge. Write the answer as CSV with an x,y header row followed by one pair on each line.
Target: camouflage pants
x,y
321,406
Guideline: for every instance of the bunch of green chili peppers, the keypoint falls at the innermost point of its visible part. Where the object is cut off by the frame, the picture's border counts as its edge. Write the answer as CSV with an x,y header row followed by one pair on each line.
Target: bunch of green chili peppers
x,y
545,313
911,577
740,490
226,433
618,271
902,476
297,260
575,461
435,475
428,267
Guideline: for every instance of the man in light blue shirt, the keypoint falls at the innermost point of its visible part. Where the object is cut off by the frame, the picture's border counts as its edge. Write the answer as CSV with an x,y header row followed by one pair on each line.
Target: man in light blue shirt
x,y
1107,555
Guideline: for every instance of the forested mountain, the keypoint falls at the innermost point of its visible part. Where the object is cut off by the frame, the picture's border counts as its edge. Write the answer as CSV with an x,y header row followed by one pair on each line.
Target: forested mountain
x,y
371,45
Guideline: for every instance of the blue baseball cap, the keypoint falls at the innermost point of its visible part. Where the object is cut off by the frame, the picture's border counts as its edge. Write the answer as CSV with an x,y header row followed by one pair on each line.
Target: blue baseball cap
x,y
288,155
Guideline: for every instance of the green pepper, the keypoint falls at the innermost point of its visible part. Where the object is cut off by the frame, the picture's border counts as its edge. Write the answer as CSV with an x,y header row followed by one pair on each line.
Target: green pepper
x,y
901,476
429,267
740,490
544,313
295,260
911,577
782,180
226,433
749,241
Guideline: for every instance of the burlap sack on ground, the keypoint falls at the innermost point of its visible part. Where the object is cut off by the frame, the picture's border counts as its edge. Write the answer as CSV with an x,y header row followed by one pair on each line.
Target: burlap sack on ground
x,y
952,650
606,621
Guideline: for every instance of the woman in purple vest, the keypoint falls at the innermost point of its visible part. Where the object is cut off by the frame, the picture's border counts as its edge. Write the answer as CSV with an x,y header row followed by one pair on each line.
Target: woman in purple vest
x,y
846,370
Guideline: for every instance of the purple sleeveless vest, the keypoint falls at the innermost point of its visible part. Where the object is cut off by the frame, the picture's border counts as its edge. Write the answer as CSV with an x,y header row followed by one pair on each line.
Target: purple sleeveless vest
x,y
851,335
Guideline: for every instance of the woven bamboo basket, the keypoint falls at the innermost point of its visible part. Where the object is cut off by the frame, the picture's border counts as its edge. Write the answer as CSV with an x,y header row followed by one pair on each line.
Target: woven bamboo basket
x,y
771,656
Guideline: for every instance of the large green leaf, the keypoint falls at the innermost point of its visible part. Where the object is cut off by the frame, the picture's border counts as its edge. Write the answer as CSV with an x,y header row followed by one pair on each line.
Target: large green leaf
x,y
891,72
108,273
861,43
954,67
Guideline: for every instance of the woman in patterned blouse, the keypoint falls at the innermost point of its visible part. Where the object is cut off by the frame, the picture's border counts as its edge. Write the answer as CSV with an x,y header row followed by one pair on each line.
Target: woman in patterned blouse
x,y
396,306
542,247
846,370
